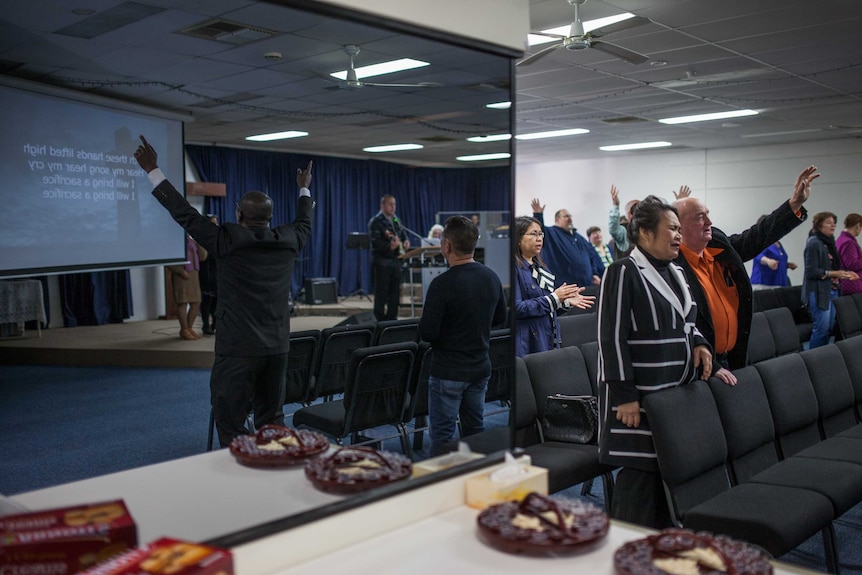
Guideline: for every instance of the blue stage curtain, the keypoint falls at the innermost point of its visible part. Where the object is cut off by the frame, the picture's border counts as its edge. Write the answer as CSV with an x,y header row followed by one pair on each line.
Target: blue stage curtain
x,y
95,298
348,194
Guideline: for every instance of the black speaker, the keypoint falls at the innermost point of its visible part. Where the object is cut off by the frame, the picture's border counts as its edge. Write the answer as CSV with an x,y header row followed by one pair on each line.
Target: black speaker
x,y
357,318
320,291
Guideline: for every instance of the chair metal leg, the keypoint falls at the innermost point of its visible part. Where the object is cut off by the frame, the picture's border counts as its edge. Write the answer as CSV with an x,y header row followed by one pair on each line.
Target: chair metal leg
x,y
829,549
210,433
587,487
608,485
420,423
405,440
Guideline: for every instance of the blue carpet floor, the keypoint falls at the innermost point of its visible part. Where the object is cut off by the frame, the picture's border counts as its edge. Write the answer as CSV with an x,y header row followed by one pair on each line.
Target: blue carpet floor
x,y
62,424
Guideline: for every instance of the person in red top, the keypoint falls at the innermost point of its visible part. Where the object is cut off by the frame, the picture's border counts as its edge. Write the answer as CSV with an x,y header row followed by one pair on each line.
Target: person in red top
x,y
714,266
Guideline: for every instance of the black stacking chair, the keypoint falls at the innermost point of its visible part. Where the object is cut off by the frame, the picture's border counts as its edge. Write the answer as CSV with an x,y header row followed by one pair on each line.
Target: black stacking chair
x,y
375,395
791,298
851,349
500,352
836,399
764,299
761,344
784,331
417,402
337,345
753,457
796,415
576,329
590,352
692,455
848,320
396,331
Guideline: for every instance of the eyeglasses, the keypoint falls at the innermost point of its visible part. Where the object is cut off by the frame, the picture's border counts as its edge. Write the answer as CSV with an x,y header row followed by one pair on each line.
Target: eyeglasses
x,y
535,234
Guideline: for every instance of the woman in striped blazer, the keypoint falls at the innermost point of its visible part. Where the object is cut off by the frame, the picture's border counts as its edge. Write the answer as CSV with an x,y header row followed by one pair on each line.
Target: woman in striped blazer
x,y
647,342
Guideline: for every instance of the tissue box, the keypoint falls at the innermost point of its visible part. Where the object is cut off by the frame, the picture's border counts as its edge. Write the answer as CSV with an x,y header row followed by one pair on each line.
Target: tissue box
x,y
67,539
441,462
483,491
168,556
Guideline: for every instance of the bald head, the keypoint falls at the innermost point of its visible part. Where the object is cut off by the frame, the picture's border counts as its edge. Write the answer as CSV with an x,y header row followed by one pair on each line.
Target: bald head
x,y
694,223
254,210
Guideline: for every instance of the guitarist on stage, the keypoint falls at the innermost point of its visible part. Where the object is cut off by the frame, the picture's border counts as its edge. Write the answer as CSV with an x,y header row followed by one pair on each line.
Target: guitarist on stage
x,y
388,241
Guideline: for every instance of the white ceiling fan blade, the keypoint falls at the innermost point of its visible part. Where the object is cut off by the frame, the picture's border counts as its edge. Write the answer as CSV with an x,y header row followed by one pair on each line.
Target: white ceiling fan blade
x,y
619,26
540,54
323,76
419,85
620,52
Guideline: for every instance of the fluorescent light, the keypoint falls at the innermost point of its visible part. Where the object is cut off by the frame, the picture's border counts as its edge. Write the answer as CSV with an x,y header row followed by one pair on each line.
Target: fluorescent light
x,y
483,157
393,148
383,68
499,105
640,146
708,117
786,133
552,134
491,138
277,136
533,39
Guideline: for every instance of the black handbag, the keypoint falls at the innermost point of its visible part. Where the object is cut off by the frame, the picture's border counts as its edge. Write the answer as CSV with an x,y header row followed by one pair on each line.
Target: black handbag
x,y
570,418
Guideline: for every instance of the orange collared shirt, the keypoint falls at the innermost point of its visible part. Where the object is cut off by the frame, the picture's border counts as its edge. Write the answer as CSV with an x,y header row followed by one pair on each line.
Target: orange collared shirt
x,y
723,299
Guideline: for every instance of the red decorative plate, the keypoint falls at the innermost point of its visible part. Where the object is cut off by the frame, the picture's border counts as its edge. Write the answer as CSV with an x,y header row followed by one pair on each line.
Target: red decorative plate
x,y
277,446
353,469
706,553
540,525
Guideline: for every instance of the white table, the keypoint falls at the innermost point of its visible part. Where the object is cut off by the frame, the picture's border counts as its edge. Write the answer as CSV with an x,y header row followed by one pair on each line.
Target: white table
x,y
21,301
193,498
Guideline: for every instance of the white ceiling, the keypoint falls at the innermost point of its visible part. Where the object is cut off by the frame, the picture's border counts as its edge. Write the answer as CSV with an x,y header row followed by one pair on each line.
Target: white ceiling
x,y
797,62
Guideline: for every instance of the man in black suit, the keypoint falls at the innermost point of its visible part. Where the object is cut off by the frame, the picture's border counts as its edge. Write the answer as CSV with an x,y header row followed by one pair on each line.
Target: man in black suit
x,y
255,265
388,241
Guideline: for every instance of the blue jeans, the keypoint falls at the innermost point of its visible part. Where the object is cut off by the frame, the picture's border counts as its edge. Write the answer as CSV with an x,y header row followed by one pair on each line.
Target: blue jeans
x,y
824,320
446,400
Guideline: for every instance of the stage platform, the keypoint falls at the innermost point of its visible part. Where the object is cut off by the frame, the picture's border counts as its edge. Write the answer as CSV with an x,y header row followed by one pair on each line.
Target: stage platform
x,y
153,343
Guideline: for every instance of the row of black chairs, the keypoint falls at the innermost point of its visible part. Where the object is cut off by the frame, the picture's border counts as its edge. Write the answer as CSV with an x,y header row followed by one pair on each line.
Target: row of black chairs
x,y
848,316
773,460
789,297
773,333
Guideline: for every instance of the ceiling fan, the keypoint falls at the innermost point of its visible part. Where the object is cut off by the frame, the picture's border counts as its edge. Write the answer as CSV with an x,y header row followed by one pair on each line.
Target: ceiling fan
x,y
353,83
580,40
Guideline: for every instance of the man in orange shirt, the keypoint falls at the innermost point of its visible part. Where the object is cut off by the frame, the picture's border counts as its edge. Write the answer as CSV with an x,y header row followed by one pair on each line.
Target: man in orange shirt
x,y
714,266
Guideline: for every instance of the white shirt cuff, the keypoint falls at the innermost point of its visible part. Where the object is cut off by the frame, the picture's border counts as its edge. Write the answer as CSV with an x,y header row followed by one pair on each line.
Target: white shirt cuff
x,y
304,192
156,177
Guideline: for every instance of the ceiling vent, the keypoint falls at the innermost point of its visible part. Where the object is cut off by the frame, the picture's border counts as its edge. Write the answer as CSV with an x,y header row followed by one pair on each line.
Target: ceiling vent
x,y
623,120
232,33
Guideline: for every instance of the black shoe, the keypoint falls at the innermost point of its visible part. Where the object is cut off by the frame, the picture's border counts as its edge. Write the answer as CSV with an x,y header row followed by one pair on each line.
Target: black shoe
x,y
208,330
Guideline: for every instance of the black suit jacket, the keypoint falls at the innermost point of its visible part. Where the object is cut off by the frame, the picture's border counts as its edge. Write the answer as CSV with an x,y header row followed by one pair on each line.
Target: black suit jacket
x,y
255,266
739,248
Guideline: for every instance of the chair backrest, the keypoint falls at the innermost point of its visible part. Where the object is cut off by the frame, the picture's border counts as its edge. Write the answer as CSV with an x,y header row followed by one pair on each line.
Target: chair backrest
x,y
557,371
761,344
836,400
576,329
417,402
851,349
784,331
689,442
848,319
500,352
792,402
301,358
337,345
396,331
376,391
764,299
590,351
523,415
747,423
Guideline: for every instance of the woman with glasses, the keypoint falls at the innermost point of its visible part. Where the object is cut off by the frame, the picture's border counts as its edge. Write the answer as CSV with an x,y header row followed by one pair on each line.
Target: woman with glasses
x,y
537,299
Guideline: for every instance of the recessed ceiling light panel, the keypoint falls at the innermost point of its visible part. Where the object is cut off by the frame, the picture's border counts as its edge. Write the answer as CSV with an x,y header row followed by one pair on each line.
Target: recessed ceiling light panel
x,y
393,148
383,68
638,146
708,117
277,136
552,134
484,157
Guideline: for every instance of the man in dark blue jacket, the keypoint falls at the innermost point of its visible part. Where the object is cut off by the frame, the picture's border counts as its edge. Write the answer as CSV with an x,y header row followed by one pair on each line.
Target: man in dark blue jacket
x,y
568,254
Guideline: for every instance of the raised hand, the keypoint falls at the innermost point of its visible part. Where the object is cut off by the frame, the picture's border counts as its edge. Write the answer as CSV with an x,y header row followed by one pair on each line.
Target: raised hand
x,y
146,156
615,195
537,206
303,177
684,192
802,189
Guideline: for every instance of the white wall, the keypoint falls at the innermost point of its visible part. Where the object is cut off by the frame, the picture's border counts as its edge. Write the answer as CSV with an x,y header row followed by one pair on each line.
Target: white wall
x,y
738,184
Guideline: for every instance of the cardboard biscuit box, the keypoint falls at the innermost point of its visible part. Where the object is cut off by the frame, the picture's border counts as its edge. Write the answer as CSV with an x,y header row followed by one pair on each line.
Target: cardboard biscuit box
x,y
168,556
67,539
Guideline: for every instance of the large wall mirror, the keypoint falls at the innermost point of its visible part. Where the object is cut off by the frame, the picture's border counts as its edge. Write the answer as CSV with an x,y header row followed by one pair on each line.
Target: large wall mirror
x,y
242,68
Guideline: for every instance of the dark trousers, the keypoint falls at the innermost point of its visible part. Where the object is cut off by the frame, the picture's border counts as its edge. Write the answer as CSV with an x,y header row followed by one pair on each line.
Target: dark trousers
x,y
240,384
639,498
387,290
208,308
